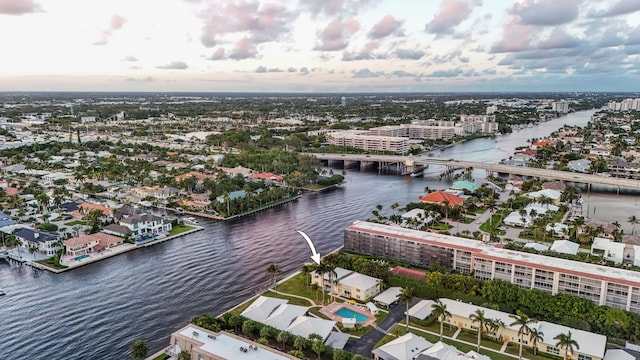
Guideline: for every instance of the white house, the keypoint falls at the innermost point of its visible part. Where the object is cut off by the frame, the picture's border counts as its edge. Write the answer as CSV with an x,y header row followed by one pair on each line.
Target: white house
x,y
349,284
286,317
565,247
142,225
44,242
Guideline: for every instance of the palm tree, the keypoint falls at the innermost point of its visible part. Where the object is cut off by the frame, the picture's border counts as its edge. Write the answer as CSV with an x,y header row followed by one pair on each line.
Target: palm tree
x,y
522,321
299,343
331,270
274,270
282,338
317,346
139,350
321,269
535,336
482,320
633,220
407,297
439,311
566,343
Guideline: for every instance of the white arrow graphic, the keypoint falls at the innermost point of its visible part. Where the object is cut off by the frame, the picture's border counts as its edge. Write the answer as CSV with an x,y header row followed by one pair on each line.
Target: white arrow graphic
x,y
315,256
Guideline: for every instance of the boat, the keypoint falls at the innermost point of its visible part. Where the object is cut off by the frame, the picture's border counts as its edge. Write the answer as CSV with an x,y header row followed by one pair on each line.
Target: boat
x,y
2,292
191,219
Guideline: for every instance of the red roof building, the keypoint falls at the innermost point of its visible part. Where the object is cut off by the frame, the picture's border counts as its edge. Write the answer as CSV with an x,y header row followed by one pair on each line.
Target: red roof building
x,y
439,197
266,176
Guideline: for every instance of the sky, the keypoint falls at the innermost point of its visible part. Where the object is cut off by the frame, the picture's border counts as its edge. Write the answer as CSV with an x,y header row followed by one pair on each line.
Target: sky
x,y
320,45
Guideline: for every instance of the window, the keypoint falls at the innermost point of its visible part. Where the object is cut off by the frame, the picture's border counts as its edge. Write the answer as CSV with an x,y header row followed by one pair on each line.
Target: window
x,y
553,350
583,357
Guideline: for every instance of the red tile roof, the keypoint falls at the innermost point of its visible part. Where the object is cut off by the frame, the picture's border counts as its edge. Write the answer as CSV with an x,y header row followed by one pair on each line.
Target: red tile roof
x,y
439,197
412,273
266,176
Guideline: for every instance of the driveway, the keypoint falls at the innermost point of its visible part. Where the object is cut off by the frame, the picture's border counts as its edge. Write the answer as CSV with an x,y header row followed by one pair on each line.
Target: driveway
x,y
364,345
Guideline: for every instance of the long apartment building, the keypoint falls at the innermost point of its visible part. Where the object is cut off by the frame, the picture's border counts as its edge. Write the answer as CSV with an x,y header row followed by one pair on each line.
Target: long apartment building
x,y
361,140
613,287
413,131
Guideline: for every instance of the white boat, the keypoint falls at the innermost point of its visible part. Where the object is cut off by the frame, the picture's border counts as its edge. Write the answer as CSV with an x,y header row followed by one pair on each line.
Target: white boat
x,y
192,220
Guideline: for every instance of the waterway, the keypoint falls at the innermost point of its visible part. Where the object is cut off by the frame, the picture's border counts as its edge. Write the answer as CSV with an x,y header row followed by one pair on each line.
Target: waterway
x,y
97,311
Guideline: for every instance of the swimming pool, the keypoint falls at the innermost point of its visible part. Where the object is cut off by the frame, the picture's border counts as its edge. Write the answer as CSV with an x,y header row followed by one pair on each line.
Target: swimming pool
x,y
348,313
78,258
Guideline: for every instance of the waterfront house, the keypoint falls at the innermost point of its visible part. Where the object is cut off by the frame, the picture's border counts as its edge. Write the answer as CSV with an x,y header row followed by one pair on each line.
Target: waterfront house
x,y
203,344
349,284
117,230
286,317
143,225
548,193
89,243
440,197
45,242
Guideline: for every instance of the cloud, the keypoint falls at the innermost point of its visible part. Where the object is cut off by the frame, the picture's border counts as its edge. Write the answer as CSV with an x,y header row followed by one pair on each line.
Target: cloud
x,y
335,7
546,12
365,53
386,26
219,54
334,36
146,79
409,54
622,7
366,73
446,73
174,65
448,57
263,69
130,58
450,15
243,49
558,39
257,22
116,23
402,73
304,70
18,7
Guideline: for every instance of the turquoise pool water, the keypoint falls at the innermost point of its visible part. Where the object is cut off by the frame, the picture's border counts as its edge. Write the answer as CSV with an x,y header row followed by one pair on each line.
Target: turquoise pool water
x,y
348,313
78,258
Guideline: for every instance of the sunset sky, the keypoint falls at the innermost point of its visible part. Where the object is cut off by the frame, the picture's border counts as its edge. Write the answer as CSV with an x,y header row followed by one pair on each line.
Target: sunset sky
x,y
320,45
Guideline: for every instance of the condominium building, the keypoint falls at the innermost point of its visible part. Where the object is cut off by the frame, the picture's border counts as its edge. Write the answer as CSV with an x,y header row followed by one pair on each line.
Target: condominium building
x,y
360,140
613,287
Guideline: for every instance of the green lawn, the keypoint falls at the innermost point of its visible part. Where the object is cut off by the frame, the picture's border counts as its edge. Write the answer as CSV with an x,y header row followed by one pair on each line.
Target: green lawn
x,y
77,222
292,300
180,228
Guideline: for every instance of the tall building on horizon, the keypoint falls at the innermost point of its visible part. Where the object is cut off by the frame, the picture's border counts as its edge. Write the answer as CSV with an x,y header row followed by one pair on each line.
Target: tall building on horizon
x,y
343,101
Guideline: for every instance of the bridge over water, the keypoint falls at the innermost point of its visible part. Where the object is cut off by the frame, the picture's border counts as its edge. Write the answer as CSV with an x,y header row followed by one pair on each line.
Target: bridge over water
x,y
410,162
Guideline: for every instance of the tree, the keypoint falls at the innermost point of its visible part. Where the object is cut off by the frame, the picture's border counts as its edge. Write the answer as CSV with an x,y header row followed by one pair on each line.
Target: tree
x,y
439,311
33,250
482,320
299,343
331,270
184,355
535,336
139,350
567,344
282,338
318,347
274,270
633,220
522,321
321,269
407,297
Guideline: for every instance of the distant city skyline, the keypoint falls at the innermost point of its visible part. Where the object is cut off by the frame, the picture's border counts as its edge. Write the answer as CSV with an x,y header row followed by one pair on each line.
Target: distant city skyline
x,y
320,45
